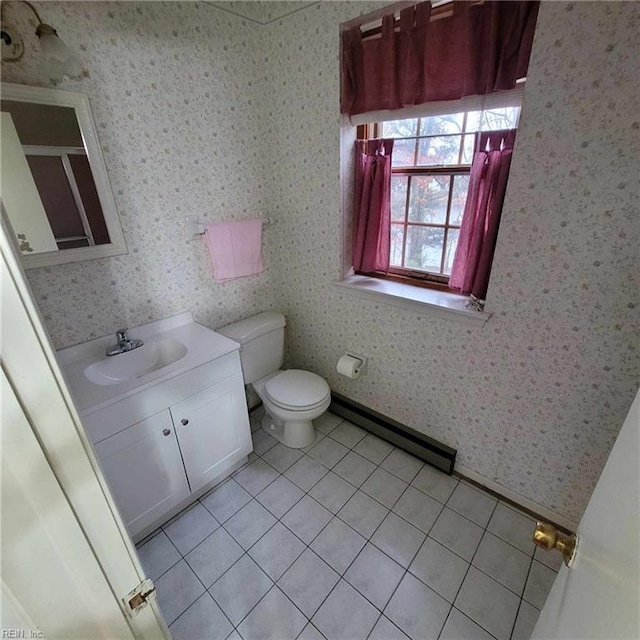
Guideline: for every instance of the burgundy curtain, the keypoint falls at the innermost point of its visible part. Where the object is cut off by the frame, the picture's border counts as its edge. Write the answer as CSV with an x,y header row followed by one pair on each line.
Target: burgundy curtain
x,y
480,49
372,206
481,218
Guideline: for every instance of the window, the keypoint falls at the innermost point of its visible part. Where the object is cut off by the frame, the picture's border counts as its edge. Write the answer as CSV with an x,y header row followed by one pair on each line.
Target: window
x,y
431,162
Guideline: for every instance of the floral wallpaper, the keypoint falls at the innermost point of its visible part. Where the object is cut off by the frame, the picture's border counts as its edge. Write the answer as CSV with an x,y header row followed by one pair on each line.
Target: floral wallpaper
x,y
174,93
202,111
533,400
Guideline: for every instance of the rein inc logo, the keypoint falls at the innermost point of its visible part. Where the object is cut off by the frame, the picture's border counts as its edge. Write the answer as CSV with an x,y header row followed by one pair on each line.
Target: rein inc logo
x,y
21,633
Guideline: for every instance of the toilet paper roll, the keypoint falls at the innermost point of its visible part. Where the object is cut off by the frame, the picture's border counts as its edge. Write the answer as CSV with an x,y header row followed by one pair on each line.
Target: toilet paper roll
x,y
349,366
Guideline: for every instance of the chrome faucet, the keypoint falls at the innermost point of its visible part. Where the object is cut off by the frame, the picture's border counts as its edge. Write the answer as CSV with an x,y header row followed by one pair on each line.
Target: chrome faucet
x,y
124,343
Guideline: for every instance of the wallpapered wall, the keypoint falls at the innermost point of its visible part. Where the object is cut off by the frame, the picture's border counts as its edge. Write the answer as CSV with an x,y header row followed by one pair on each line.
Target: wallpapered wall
x,y
174,92
200,111
534,400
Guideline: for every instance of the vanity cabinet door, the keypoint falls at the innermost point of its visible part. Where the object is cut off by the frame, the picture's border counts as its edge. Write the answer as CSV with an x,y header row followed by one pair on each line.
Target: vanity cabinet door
x,y
213,430
144,470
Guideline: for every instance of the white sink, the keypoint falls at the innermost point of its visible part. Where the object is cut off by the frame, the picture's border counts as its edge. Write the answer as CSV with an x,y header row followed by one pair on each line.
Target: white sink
x,y
171,347
136,363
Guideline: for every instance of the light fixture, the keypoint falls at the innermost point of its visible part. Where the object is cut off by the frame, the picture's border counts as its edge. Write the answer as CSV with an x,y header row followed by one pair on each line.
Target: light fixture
x,y
59,60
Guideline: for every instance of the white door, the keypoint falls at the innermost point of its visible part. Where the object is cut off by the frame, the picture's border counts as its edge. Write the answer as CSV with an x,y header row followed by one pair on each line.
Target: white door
x,y
20,195
40,531
144,469
213,430
599,597
77,562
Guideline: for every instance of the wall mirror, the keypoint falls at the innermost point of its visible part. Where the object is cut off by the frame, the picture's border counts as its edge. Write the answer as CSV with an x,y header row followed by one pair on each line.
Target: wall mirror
x,y
55,189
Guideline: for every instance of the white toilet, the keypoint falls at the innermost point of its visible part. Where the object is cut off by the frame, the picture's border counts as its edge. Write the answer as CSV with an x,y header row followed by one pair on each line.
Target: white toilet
x,y
292,398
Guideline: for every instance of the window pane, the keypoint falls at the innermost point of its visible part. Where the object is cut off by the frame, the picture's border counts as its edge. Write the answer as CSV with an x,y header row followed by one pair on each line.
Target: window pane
x,y
505,118
397,235
467,149
452,243
56,195
458,199
473,120
424,248
439,150
400,128
435,125
404,153
398,197
428,199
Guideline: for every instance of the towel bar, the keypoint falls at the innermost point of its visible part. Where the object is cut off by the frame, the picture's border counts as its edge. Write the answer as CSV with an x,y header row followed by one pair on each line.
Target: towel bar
x,y
195,227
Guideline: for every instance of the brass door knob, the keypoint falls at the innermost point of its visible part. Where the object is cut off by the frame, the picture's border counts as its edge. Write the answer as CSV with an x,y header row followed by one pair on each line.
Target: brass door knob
x,y
548,537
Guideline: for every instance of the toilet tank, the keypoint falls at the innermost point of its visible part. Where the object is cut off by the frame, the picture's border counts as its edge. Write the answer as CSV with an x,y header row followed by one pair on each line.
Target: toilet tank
x,y
262,340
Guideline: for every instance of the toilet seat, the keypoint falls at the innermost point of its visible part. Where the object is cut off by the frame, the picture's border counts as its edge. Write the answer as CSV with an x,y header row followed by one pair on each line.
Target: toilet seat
x,y
297,390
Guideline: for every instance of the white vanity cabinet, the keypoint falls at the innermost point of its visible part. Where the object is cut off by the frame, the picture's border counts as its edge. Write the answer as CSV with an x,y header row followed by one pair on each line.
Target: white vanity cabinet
x,y
168,420
207,428
193,439
144,469
157,463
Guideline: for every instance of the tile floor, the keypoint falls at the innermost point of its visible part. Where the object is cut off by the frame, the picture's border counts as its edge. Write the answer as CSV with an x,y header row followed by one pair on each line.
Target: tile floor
x,y
350,539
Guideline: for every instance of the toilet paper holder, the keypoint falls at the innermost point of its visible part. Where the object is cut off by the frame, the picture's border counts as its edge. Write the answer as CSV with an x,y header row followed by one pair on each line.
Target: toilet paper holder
x,y
362,367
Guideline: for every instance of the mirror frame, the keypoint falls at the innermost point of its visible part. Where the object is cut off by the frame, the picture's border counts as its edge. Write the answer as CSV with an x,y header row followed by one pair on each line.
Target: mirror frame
x,y
80,103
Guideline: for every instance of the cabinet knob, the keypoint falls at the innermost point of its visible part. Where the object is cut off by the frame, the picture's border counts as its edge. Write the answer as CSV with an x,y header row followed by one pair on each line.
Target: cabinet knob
x,y
166,432
184,421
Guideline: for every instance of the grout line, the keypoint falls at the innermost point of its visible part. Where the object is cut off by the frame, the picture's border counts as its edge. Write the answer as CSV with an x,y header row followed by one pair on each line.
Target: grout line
x,y
391,622
508,502
206,590
313,625
490,577
233,514
326,597
206,593
405,569
497,581
274,582
475,553
240,544
445,622
513,546
273,586
173,545
368,540
317,555
179,515
204,496
138,545
522,597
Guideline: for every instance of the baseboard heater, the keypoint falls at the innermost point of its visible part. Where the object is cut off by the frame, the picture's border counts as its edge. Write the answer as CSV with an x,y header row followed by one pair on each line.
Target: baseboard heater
x,y
435,453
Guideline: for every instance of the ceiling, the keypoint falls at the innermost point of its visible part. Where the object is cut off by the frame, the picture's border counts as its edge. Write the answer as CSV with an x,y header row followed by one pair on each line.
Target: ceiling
x,y
262,11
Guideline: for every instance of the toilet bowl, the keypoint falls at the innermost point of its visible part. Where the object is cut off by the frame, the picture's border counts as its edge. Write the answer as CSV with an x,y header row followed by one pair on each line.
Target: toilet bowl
x,y
292,399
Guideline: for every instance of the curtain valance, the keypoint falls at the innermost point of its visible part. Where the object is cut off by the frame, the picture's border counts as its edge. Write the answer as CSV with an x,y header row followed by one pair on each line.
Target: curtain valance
x,y
480,49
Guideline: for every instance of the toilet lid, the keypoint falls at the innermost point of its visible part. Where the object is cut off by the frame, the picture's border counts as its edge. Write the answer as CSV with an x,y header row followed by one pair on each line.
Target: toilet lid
x,y
297,388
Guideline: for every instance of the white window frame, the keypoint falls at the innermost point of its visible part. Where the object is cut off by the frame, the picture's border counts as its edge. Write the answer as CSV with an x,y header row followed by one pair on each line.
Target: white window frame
x,y
443,303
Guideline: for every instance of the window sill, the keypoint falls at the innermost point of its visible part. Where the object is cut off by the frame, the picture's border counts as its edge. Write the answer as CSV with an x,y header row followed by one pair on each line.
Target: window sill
x,y
443,304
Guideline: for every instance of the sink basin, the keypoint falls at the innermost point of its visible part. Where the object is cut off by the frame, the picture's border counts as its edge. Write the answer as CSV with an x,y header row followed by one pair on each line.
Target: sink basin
x,y
171,347
128,366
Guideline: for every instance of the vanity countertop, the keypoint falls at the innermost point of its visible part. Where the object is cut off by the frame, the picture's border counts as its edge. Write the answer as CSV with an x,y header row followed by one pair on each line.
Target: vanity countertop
x,y
200,345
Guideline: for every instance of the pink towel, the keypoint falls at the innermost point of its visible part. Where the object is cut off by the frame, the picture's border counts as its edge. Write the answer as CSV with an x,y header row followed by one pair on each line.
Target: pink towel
x,y
235,248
